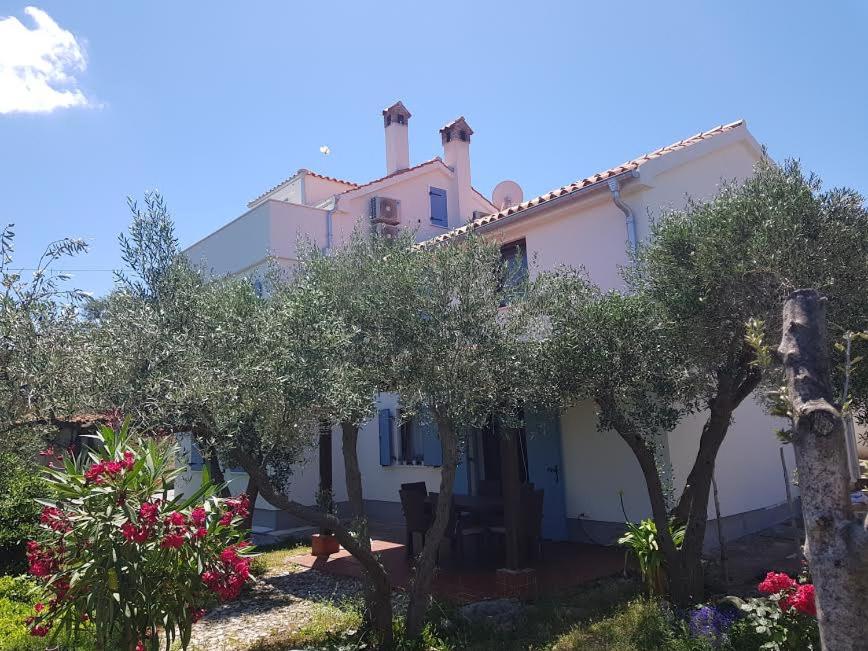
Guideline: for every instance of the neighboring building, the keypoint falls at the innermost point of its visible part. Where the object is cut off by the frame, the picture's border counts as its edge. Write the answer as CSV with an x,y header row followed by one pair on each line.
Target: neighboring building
x,y
590,223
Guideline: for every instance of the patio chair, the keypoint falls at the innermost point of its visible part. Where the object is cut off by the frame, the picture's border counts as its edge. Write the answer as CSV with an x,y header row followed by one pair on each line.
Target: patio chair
x,y
420,486
417,518
457,529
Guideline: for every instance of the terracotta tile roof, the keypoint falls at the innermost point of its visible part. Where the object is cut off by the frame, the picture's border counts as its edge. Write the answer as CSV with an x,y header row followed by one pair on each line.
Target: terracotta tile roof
x,y
300,171
430,161
588,181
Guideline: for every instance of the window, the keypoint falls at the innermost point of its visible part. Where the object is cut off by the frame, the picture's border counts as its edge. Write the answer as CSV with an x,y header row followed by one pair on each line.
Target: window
x,y
514,256
438,206
411,442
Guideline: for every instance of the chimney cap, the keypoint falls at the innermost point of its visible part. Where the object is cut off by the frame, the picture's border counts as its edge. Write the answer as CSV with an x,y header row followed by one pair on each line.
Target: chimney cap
x,y
458,129
397,113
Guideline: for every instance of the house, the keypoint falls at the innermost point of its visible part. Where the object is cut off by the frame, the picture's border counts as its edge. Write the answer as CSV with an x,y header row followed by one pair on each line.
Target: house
x,y
592,223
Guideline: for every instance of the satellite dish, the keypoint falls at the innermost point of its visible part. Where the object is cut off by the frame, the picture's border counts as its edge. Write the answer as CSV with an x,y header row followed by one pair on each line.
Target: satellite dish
x,y
506,194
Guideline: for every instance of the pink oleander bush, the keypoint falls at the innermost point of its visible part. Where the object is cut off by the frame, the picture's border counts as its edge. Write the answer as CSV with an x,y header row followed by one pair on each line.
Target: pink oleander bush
x,y
115,551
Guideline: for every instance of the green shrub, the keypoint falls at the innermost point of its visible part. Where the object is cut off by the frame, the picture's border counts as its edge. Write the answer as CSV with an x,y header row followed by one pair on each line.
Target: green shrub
x,y
641,539
20,589
114,550
20,485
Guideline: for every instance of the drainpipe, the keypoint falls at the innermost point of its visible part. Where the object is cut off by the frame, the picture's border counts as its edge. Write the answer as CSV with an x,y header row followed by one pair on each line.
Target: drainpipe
x,y
329,227
630,219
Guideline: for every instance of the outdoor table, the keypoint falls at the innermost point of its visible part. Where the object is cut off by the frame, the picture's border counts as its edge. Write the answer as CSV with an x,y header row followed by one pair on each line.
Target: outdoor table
x,y
475,504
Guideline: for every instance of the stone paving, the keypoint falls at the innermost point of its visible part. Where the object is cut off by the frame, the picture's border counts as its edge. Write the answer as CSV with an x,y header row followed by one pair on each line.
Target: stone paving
x,y
284,599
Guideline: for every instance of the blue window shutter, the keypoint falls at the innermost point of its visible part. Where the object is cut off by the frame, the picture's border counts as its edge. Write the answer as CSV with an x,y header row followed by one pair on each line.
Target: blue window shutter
x,y
438,207
432,453
196,460
385,420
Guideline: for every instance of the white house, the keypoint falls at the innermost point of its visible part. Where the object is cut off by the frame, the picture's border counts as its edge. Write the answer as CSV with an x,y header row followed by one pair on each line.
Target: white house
x,y
591,223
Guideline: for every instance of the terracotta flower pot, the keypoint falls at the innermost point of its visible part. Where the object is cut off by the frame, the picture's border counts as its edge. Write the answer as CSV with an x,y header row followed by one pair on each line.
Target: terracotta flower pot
x,y
324,544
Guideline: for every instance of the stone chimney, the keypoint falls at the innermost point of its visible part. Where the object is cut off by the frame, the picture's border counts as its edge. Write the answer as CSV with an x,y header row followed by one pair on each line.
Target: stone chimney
x,y
456,154
395,120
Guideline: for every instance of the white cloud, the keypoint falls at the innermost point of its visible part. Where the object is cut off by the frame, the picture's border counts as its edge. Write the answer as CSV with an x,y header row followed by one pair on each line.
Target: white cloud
x,y
38,66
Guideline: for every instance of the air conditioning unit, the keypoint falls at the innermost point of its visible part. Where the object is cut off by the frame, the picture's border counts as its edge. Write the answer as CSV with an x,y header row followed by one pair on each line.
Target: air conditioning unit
x,y
387,230
385,210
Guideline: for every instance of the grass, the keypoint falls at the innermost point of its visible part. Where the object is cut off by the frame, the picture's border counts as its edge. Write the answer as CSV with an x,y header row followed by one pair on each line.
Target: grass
x,y
272,557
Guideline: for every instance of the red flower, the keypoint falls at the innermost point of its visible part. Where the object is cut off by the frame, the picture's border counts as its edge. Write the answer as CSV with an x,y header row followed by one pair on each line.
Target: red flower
x,y
94,473
200,533
226,519
135,534
198,516
39,607
40,630
803,600
172,541
196,614
113,467
55,519
47,452
229,556
42,562
776,582
129,460
176,519
148,512
140,646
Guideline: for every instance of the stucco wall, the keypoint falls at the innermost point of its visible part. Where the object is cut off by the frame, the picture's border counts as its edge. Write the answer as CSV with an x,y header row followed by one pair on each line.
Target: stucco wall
x,y
273,227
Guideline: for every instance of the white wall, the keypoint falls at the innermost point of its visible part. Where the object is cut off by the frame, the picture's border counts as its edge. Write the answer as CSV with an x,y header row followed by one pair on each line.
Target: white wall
x,y
598,467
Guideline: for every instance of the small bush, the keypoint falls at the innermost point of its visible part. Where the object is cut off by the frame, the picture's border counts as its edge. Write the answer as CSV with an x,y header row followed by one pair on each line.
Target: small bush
x,y
20,486
114,550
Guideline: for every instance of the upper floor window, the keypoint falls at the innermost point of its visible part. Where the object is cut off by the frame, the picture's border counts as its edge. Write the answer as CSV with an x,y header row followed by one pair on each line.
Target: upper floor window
x,y
438,207
514,256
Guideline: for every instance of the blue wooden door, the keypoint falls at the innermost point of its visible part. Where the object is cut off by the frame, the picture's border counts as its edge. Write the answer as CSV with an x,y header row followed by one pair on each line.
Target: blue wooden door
x,y
545,469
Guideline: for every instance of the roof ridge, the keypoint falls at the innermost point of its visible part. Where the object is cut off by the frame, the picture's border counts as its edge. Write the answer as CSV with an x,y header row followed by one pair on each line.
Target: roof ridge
x,y
599,177
300,170
396,173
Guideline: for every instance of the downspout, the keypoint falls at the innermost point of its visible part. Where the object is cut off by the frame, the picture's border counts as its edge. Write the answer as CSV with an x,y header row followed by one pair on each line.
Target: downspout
x,y
629,217
330,227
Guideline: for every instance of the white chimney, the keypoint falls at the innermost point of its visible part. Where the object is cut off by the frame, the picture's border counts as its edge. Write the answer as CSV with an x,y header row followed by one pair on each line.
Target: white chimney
x,y
456,154
395,120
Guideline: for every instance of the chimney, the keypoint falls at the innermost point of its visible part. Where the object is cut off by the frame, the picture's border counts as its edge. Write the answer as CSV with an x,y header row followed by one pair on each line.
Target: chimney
x,y
456,155
395,120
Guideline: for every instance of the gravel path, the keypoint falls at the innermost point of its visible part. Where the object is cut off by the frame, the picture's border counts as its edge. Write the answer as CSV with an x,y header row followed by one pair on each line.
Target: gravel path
x,y
282,600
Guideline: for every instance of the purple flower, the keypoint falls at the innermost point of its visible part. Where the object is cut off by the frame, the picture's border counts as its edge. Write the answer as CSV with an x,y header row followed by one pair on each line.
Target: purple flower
x,y
711,622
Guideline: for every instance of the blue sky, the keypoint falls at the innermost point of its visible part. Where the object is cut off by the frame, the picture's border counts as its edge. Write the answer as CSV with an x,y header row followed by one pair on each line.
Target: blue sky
x,y
214,102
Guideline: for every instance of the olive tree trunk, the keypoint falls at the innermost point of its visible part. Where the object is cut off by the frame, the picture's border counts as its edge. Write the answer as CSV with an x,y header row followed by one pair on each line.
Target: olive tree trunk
x,y
423,570
837,545
378,594
373,569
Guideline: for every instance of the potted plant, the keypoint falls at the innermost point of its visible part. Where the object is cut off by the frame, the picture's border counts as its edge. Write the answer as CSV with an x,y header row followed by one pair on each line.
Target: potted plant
x,y
325,543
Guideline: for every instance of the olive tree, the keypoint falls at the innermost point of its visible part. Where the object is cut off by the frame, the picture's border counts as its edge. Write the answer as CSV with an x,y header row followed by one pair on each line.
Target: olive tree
x,y
461,357
38,347
837,542
717,265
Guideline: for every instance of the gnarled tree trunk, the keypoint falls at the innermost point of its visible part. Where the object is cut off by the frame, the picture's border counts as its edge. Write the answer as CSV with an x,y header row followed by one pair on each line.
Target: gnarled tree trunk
x,y
378,593
837,545
423,571
361,552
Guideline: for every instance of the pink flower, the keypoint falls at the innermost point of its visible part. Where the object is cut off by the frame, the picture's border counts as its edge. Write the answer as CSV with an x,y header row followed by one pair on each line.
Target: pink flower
x,y
94,473
129,460
198,516
172,541
140,646
55,519
148,512
135,534
229,556
176,519
196,614
776,582
803,600
47,452
200,533
40,630
113,467
39,607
